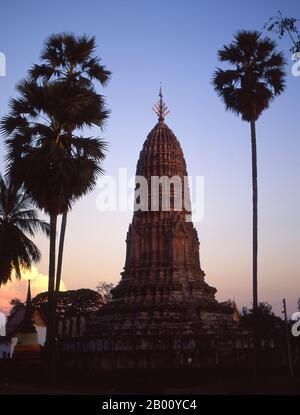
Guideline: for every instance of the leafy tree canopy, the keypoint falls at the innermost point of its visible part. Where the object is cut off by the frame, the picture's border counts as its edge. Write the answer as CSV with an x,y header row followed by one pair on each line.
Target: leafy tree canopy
x,y
71,302
263,320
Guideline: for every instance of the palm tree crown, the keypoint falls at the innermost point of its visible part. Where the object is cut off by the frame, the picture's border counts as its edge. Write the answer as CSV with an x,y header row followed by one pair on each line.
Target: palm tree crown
x,y
17,220
54,167
256,78
70,58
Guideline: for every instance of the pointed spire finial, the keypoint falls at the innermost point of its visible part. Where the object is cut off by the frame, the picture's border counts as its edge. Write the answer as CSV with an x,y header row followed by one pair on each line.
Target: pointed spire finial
x,y
28,299
27,325
160,108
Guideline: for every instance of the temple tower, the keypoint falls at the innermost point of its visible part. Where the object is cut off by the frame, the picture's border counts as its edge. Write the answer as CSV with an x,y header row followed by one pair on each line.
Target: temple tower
x,y
163,313
162,258
27,344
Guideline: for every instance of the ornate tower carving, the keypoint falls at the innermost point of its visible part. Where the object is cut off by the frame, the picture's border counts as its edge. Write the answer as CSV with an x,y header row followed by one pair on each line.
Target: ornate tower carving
x,y
162,261
162,312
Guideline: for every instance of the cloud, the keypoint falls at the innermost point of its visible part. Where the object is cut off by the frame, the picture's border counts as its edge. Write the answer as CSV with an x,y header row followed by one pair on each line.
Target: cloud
x,y
18,288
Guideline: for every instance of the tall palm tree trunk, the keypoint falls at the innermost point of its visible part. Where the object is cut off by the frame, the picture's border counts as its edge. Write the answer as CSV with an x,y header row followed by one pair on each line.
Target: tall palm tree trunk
x,y
61,250
255,219
50,335
62,234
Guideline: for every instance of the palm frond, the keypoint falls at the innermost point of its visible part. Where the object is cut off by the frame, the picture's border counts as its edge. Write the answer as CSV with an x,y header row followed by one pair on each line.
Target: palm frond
x,y
256,74
17,251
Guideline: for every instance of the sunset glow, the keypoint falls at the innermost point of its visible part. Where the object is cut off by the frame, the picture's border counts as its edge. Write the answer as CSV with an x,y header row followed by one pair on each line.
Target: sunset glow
x,y
18,288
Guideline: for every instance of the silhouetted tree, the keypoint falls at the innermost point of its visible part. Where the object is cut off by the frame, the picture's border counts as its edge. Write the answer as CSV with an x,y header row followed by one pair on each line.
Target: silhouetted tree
x,y
264,321
71,302
71,60
18,222
16,305
282,25
265,326
256,75
104,289
54,168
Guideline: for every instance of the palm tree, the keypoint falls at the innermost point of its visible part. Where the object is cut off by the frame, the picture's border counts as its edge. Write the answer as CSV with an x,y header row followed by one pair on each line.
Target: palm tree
x,y
54,167
18,220
70,59
255,78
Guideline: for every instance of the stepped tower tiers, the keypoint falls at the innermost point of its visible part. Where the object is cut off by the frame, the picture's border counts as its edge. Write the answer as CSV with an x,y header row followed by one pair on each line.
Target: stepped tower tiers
x,y
162,266
162,312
